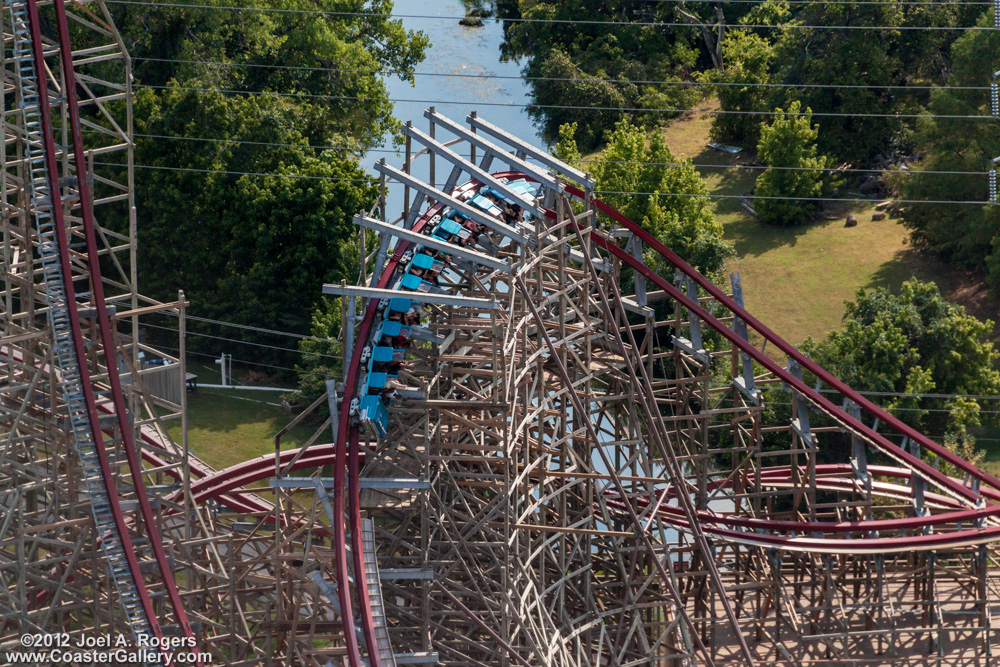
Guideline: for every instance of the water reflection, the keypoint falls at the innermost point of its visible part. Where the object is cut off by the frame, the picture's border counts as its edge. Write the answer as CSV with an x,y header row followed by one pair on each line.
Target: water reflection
x,y
456,49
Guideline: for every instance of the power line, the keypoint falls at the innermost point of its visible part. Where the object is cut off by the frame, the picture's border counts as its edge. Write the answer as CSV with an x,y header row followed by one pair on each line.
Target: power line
x,y
901,3
891,394
859,201
567,107
244,361
899,409
586,161
299,68
239,173
272,144
600,192
387,151
244,342
988,397
273,332
884,394
575,22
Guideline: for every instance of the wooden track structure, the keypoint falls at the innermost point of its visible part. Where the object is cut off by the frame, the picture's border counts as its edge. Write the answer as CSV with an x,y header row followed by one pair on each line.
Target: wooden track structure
x,y
189,569
592,465
555,427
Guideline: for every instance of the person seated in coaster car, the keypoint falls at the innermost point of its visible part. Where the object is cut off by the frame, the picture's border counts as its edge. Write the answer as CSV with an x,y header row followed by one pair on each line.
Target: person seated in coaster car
x,y
397,308
412,317
439,255
388,394
451,230
476,232
394,334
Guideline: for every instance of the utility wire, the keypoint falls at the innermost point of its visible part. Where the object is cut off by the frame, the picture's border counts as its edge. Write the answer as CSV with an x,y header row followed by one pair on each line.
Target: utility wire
x,y
244,361
570,107
238,173
299,68
585,161
898,409
900,3
890,394
574,22
243,342
883,394
246,327
987,397
600,192
751,197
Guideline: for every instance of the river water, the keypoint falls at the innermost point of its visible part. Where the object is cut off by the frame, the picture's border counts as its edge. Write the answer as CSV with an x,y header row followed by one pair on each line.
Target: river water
x,y
462,72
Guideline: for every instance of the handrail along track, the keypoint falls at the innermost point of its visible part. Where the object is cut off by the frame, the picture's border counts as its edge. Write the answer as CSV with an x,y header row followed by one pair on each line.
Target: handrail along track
x,y
967,504
68,343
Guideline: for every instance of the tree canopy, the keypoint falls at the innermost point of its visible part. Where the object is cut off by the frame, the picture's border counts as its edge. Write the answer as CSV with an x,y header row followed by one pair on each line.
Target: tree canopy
x,y
915,342
249,120
574,57
326,54
748,58
794,177
966,234
638,175
627,58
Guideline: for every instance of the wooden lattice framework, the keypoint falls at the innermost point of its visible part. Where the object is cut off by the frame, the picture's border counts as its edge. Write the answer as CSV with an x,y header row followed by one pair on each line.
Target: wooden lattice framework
x,y
53,574
586,471
518,545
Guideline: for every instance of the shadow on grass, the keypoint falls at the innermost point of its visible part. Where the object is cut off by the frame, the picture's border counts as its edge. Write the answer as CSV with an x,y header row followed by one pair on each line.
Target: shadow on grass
x,y
227,427
753,238
966,288
988,441
224,411
911,263
749,236
719,167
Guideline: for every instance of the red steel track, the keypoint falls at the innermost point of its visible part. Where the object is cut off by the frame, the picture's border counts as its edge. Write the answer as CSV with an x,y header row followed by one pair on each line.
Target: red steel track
x,y
964,504
63,249
892,450
110,353
346,462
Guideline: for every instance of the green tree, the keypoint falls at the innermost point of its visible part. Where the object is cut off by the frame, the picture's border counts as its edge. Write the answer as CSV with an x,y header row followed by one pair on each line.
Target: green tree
x,y
886,44
748,58
322,355
915,342
249,230
861,75
238,202
576,60
853,57
336,56
639,176
966,235
787,146
289,234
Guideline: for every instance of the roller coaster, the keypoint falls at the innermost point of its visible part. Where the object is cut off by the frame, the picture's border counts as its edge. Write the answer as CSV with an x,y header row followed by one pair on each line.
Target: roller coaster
x,y
554,441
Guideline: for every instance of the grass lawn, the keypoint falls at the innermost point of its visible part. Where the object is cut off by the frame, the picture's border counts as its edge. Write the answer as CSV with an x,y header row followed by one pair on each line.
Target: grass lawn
x,y
796,279
226,426
988,440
